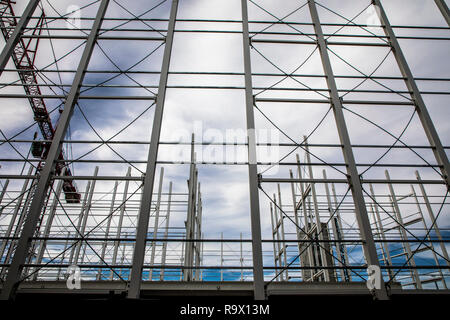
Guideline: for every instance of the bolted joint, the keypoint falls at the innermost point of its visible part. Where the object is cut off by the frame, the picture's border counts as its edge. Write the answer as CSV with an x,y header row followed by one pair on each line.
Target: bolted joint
x,y
259,180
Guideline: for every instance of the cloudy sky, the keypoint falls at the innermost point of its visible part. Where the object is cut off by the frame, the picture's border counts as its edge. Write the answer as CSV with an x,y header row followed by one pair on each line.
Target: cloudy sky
x,y
214,115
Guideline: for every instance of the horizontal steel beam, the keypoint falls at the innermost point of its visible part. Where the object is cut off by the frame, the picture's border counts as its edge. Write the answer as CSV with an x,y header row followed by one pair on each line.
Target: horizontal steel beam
x,y
181,267
234,74
262,180
168,162
311,145
354,25
50,96
327,101
331,43
75,37
177,288
374,181
115,86
112,239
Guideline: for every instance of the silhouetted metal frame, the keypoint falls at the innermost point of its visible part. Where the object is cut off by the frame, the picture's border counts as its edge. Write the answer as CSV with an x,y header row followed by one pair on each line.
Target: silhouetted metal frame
x,y
45,179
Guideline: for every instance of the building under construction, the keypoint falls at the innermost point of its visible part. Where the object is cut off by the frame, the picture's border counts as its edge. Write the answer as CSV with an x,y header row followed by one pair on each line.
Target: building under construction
x,y
225,148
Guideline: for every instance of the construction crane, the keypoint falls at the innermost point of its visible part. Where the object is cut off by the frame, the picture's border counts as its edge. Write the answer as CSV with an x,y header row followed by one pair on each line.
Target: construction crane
x,y
24,56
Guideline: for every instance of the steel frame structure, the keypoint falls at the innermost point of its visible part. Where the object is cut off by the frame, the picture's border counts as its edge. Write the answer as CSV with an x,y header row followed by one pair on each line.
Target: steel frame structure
x,y
312,245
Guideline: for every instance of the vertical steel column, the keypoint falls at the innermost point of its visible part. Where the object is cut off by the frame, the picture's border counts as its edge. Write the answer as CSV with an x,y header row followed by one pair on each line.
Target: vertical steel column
x,y
190,219
382,233
155,228
283,234
335,228
25,209
306,274
48,225
321,247
83,255
278,237
166,233
80,219
432,218
5,186
422,112
20,255
258,273
63,256
242,257
108,228
221,256
183,245
134,286
403,234
12,222
17,33
21,207
370,251
275,260
378,232
85,216
294,202
122,258
436,259
119,224
444,10
339,221
198,232
201,257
